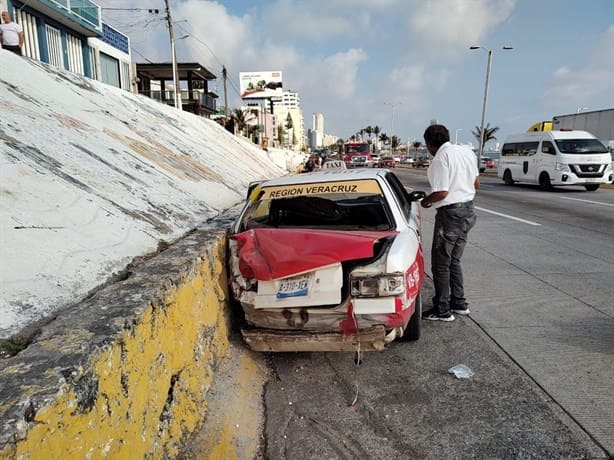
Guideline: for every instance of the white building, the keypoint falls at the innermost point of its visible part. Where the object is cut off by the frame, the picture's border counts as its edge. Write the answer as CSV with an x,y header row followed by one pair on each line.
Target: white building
x,y
318,122
110,58
289,105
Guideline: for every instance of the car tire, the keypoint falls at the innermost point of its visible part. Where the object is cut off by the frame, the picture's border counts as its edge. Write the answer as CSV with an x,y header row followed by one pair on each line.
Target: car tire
x,y
413,327
591,187
544,182
507,177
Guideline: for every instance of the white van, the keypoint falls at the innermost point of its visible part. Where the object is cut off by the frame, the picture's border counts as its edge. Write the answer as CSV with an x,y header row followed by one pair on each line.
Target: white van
x,y
551,158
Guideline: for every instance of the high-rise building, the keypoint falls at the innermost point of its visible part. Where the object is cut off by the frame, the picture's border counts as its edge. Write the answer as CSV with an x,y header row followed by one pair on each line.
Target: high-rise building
x,y
318,122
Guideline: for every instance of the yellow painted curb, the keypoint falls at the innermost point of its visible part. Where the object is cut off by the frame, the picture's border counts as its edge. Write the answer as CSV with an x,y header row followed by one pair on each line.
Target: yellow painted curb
x,y
139,391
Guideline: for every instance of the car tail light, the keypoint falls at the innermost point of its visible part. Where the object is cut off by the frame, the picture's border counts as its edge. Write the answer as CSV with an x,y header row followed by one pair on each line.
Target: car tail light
x,y
377,286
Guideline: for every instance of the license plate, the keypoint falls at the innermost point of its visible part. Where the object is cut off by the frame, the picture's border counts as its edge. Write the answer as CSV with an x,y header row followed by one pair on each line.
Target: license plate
x,y
294,287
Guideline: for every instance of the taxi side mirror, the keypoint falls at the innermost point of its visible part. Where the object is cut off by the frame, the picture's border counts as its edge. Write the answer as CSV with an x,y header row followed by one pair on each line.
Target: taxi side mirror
x,y
417,195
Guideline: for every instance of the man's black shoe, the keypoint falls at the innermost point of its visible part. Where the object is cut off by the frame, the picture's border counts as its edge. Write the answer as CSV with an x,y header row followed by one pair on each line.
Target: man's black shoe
x,y
434,315
460,309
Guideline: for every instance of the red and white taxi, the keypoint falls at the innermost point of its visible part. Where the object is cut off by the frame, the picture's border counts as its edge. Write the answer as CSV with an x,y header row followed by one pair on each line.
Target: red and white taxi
x,y
328,261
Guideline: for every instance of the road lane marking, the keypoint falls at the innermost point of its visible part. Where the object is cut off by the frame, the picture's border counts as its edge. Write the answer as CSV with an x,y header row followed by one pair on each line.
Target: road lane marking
x,y
507,216
587,201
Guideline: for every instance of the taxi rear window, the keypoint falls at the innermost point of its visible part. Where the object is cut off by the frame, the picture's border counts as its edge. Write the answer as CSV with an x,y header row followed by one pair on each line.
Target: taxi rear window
x,y
346,205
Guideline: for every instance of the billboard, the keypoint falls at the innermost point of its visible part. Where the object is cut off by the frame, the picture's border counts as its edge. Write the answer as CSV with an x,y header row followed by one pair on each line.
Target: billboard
x,y
260,85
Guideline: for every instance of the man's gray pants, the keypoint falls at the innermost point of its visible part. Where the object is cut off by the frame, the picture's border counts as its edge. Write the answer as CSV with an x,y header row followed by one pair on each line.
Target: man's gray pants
x,y
449,240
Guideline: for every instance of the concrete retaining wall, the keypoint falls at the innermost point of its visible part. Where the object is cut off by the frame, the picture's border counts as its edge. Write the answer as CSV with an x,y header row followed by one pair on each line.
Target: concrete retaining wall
x,y
125,373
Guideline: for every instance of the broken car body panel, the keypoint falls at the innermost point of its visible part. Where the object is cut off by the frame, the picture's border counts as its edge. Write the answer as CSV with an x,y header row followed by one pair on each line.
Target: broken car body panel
x,y
328,261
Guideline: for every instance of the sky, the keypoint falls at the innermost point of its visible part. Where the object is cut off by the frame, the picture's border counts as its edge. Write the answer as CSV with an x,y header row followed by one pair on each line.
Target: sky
x,y
396,64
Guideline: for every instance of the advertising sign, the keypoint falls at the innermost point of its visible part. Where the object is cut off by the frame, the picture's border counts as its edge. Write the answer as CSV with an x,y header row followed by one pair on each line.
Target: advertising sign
x,y
260,85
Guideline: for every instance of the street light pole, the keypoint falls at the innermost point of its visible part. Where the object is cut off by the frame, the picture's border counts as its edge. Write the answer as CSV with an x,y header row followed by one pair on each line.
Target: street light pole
x,y
488,67
456,135
393,105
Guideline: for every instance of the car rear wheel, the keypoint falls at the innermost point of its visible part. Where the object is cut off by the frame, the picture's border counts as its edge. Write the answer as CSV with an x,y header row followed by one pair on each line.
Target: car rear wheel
x,y
507,177
591,187
413,327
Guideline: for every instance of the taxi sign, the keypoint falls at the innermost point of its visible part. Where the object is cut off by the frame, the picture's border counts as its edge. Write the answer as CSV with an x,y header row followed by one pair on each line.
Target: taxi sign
x,y
334,164
369,186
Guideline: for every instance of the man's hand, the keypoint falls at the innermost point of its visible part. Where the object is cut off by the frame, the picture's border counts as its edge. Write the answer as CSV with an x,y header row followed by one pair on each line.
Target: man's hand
x,y
434,197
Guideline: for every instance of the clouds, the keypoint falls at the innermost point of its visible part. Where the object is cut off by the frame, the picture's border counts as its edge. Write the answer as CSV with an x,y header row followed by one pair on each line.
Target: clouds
x,y
590,84
346,57
341,72
445,25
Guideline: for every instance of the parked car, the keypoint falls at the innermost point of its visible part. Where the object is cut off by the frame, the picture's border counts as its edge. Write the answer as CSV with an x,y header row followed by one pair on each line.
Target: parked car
x,y
328,261
408,160
490,163
360,160
482,165
387,162
422,163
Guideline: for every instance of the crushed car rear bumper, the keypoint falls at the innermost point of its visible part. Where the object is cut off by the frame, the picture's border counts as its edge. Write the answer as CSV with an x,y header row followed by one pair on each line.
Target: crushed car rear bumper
x,y
369,339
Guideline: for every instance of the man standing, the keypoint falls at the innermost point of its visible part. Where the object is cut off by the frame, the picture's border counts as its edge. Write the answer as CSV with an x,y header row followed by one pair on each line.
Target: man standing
x,y
11,34
454,178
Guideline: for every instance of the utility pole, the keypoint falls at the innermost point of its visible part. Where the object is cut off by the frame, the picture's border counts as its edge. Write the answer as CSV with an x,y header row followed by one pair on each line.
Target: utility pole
x,y
225,75
174,56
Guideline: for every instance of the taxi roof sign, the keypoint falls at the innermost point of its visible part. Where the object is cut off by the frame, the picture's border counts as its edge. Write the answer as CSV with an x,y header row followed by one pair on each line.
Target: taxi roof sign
x,y
334,164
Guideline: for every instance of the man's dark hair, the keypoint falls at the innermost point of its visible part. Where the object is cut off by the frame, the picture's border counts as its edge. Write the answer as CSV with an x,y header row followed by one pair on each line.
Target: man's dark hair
x,y
436,135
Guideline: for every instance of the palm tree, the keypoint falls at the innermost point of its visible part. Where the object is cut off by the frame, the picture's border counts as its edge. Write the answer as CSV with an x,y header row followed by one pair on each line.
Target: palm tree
x,y
394,143
240,120
384,138
376,131
369,131
489,133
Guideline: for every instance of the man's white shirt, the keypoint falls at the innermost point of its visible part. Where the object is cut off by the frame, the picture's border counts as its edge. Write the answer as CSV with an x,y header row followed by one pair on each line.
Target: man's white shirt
x,y
453,169
10,33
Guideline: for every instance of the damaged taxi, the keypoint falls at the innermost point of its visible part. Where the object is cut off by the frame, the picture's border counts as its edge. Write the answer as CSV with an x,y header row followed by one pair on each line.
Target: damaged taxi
x,y
328,261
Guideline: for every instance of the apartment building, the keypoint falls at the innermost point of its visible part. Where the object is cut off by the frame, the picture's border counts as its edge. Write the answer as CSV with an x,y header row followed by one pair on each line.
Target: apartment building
x,y
70,35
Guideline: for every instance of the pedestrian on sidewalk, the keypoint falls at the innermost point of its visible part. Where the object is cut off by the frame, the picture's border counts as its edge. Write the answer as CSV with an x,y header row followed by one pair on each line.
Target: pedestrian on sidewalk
x,y
454,177
11,34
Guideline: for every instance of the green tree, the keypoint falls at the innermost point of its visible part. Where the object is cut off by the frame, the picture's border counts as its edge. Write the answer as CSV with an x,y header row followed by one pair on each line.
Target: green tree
x,y
240,120
384,139
280,134
289,123
394,143
416,145
376,131
489,133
